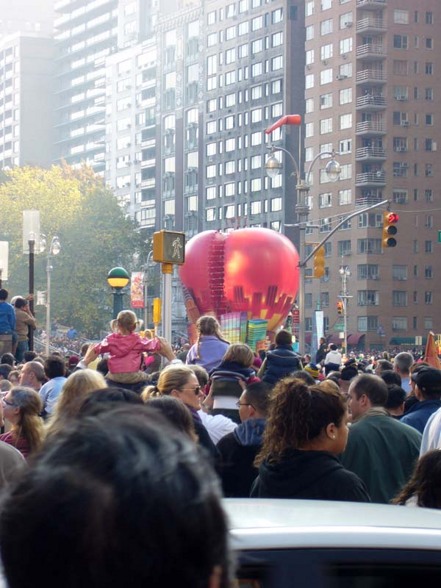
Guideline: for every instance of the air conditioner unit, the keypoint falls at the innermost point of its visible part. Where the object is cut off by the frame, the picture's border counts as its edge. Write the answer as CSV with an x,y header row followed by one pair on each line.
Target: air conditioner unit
x,y
341,77
348,24
405,123
401,98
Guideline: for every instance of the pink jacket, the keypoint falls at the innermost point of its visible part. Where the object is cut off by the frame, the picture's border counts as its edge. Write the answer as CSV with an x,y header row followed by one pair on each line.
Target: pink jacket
x,y
125,351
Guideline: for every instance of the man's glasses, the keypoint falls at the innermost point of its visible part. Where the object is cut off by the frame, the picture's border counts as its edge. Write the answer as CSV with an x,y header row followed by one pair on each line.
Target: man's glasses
x,y
239,404
196,390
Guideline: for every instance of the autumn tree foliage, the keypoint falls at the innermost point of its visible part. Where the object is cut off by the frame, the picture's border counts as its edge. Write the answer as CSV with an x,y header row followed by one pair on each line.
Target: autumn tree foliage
x,y
94,232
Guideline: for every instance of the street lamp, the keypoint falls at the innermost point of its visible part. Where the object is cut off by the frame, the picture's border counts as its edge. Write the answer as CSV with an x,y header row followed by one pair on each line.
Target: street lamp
x,y
32,244
273,166
345,272
54,249
118,278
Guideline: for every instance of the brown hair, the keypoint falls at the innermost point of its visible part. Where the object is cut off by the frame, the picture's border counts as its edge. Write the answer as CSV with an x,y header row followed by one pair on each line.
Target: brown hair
x,y
239,353
30,426
126,322
425,482
207,326
298,414
172,377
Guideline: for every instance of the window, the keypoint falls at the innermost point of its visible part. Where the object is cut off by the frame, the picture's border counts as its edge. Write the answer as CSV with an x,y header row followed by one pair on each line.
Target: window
x,y
345,121
399,323
367,323
368,298
368,271
326,76
345,45
428,247
369,246
326,27
428,297
344,197
344,247
401,16
326,126
399,298
326,101
345,96
428,69
401,41
326,52
325,200
428,272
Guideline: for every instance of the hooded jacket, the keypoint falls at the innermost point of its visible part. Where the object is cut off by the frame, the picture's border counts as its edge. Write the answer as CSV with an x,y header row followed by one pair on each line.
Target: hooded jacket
x,y
279,363
125,351
314,475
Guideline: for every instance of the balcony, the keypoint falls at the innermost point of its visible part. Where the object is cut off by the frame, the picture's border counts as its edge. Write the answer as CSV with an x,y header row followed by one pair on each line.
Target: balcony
x,y
370,51
371,4
371,25
370,76
370,127
370,154
370,102
377,178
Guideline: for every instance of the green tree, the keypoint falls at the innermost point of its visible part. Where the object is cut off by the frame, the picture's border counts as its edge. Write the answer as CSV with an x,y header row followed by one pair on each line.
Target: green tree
x,y
95,236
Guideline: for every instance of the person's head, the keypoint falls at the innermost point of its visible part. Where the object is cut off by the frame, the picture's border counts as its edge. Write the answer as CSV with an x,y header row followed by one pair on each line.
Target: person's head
x,y
83,349
104,399
303,375
32,375
201,374
313,370
176,413
29,356
102,482
3,294
425,483
8,358
22,407
302,417
390,377
14,377
5,370
5,385
427,383
20,302
179,381
77,386
333,347
403,362
102,366
382,366
54,367
254,401
283,337
126,322
208,325
330,385
239,353
366,391
395,399
348,373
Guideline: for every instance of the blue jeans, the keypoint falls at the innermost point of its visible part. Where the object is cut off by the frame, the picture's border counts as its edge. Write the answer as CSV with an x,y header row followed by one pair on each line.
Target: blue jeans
x,y
22,346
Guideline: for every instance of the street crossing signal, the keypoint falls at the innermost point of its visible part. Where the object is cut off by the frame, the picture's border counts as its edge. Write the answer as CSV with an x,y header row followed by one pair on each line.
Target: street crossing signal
x,y
390,220
319,263
340,307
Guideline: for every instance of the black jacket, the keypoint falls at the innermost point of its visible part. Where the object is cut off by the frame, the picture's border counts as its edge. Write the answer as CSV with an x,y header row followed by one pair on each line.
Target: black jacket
x,y
279,363
316,475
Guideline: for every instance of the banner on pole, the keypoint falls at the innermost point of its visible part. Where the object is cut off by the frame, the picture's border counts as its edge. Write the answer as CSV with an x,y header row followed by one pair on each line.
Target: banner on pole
x,y
137,290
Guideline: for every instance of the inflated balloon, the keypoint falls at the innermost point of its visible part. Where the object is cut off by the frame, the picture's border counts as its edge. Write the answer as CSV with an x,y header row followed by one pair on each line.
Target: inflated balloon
x,y
251,270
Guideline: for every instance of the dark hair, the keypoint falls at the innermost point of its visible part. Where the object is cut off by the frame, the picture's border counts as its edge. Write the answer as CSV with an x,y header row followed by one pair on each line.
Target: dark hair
x,y
395,396
385,365
298,414
102,366
20,302
3,294
100,484
391,377
303,375
348,373
425,483
283,337
200,372
5,369
373,386
8,358
29,356
175,412
106,399
258,394
54,366
333,346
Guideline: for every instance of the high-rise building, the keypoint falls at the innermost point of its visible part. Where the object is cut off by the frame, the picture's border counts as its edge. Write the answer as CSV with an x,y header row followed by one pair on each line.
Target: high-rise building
x,y
27,17
372,94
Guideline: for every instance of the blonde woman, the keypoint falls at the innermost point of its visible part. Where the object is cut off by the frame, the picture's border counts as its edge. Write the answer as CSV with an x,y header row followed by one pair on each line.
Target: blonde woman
x,y
210,346
77,386
21,408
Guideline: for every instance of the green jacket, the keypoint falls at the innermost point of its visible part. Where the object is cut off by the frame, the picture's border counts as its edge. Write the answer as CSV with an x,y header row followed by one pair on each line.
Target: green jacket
x,y
382,452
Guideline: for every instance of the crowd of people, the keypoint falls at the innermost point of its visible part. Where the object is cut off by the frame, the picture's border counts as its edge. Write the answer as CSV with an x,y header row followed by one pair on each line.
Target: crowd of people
x,y
114,442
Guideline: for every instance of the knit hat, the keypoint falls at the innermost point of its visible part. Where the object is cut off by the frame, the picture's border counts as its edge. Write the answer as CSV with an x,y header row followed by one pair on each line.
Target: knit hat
x,y
73,360
312,369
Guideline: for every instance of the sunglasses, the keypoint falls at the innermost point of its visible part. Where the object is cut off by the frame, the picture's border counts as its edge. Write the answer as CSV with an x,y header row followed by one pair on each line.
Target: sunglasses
x,y
196,390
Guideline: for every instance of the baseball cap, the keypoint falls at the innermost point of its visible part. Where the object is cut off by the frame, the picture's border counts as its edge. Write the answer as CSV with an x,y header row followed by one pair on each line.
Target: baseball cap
x,y
427,378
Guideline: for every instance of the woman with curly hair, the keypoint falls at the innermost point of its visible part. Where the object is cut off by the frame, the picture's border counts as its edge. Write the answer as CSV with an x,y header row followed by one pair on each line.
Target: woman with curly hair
x,y
424,487
305,432
210,346
22,407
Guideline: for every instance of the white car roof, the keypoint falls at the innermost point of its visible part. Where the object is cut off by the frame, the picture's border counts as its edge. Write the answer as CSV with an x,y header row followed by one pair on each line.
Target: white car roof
x,y
273,523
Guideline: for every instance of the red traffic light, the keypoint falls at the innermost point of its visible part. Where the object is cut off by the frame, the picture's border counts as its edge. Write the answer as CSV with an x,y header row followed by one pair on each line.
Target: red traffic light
x,y
391,218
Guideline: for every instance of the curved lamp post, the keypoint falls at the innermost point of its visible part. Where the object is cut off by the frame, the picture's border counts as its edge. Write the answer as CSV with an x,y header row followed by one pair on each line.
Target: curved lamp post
x,y
273,167
54,249
345,273
118,278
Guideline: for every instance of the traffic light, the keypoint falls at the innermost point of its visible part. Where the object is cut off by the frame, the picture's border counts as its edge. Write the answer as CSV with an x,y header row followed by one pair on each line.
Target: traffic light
x,y
340,307
319,263
157,307
390,220
169,247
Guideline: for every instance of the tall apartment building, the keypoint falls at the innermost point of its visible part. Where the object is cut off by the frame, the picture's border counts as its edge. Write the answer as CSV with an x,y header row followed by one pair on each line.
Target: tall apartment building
x,y
26,100
372,93
27,17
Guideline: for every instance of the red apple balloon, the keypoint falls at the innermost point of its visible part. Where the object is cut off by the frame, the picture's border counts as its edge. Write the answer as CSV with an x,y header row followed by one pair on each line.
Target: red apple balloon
x,y
247,270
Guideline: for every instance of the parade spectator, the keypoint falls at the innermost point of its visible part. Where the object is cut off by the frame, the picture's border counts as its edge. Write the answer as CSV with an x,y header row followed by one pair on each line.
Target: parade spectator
x,y
126,351
25,320
21,408
210,346
75,389
238,449
333,359
7,317
424,487
108,398
428,392
122,475
390,377
305,376
321,351
314,371
306,429
281,361
402,364
384,365
229,378
5,370
176,413
180,382
380,450
55,372
32,375
347,374
395,400
29,356
12,462
8,358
